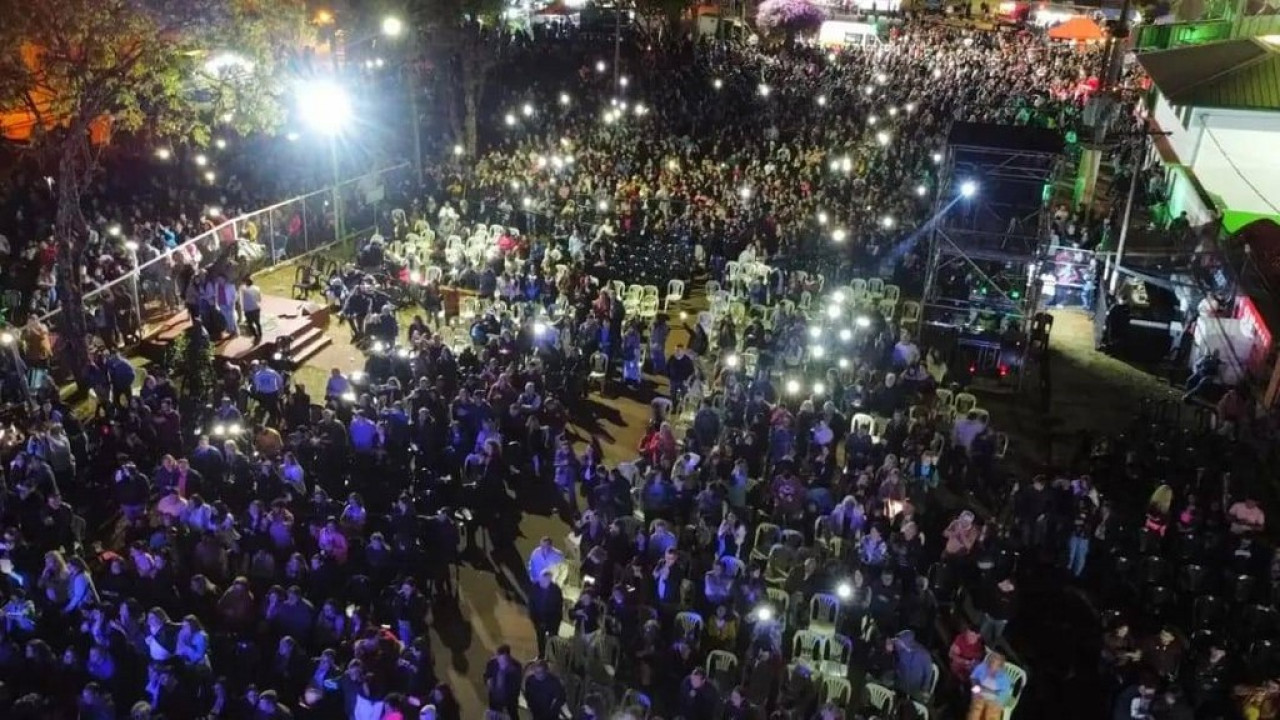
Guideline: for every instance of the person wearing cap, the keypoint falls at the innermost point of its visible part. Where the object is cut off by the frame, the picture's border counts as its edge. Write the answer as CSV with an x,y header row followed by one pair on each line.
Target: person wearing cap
x,y
267,385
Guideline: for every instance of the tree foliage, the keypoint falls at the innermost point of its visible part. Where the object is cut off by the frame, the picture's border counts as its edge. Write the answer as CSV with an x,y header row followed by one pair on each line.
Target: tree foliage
x,y
789,16
463,39
159,67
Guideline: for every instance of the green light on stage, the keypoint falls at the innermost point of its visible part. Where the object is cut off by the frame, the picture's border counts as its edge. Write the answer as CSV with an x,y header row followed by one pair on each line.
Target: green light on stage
x,y
1072,138
1014,295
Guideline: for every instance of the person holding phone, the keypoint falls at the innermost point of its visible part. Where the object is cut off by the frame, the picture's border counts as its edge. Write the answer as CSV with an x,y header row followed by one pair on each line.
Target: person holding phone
x,y
991,687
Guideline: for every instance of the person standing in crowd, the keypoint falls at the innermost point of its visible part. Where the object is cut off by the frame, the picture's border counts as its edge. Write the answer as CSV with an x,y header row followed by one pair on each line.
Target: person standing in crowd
x,y
502,677
251,304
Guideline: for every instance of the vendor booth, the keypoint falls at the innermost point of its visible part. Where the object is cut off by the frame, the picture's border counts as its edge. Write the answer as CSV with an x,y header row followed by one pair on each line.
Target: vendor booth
x,y
841,33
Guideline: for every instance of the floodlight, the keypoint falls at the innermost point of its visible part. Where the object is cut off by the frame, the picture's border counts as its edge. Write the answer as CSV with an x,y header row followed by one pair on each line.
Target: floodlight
x,y
392,26
325,105
968,188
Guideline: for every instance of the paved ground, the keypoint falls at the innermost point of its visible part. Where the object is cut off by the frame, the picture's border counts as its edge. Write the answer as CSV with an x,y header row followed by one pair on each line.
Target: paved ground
x,y
1090,390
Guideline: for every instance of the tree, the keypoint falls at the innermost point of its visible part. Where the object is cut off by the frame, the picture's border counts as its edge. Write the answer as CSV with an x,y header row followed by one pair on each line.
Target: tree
x,y
172,69
464,39
791,17
669,12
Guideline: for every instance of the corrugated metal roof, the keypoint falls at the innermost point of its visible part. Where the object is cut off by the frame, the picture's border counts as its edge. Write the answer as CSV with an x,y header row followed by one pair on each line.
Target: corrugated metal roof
x,y
1242,74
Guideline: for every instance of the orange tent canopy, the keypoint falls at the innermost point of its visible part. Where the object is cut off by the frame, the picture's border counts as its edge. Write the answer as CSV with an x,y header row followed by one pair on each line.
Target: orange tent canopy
x,y
1077,29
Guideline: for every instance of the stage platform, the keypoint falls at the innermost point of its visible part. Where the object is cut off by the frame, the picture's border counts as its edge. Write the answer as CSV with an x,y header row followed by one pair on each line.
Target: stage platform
x,y
304,324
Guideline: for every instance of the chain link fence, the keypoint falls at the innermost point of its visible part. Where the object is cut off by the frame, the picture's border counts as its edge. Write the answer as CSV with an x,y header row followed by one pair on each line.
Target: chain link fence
x,y
144,299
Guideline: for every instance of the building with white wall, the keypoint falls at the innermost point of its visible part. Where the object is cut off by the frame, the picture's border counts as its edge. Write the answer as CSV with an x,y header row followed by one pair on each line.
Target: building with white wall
x,y
1219,104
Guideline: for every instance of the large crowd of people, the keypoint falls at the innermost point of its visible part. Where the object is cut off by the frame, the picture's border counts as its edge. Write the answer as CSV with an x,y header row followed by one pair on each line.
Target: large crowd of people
x,y
796,536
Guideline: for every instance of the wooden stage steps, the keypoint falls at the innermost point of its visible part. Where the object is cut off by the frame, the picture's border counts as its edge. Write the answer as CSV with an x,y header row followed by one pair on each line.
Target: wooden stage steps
x,y
304,324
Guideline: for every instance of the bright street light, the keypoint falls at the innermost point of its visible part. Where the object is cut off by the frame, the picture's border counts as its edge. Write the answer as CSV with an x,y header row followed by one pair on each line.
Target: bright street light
x,y
509,119
822,100
887,222
822,218
209,177
457,150
600,66
968,188
764,90
202,160
839,235
325,106
164,153
921,190
717,83
220,144
564,98
527,110
392,26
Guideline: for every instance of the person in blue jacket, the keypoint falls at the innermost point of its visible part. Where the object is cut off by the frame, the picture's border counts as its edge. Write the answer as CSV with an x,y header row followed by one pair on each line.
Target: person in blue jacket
x,y
992,689
122,375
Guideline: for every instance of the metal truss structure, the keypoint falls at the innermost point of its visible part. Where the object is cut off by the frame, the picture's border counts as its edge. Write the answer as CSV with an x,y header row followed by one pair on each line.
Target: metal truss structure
x,y
984,249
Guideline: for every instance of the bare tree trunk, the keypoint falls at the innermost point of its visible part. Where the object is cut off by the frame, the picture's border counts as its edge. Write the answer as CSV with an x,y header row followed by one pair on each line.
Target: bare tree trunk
x,y
471,114
69,229
475,66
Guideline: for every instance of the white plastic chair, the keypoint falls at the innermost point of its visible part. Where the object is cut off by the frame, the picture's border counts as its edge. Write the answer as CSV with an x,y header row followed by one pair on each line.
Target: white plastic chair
x,y
880,698
689,624
675,293
840,691
808,648
824,613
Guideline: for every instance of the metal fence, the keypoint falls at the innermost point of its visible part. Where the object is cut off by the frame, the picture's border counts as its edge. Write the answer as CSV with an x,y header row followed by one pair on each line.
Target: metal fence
x,y
237,248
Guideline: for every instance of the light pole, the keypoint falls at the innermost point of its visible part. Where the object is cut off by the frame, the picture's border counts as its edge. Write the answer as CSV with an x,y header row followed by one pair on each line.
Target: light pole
x,y
132,247
327,108
393,27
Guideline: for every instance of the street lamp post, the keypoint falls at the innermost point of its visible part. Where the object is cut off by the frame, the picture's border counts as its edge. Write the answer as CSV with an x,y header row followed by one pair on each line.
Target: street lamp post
x,y
327,108
134,282
393,27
